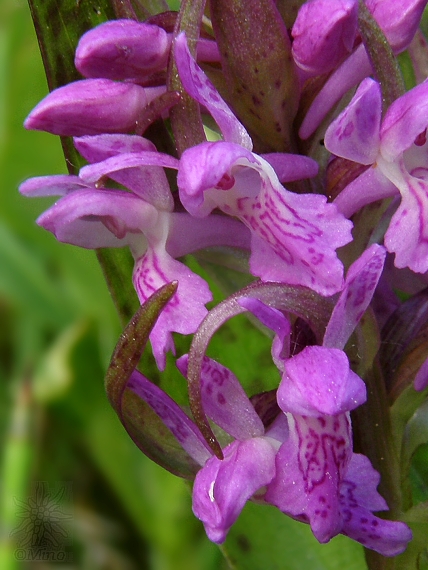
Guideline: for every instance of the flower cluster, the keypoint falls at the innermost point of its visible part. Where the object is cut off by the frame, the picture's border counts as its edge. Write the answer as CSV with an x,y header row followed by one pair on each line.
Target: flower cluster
x,y
274,181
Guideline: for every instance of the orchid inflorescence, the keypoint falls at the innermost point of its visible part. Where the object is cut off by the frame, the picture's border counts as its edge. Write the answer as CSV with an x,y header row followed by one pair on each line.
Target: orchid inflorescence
x,y
290,146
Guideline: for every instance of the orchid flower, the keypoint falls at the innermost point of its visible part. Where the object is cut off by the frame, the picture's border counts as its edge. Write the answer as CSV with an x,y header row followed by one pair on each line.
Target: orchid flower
x,y
394,150
292,237
93,217
319,480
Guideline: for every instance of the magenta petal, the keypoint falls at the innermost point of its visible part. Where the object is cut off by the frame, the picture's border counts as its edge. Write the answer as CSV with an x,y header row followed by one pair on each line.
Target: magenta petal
x,y
185,311
358,498
89,107
317,381
222,487
55,185
122,49
360,283
98,218
147,180
404,120
197,84
181,426
225,401
309,468
290,167
324,33
355,133
407,235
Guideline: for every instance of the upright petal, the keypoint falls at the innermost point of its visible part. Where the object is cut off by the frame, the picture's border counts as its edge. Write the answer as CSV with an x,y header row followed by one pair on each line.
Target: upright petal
x,y
360,283
197,84
355,133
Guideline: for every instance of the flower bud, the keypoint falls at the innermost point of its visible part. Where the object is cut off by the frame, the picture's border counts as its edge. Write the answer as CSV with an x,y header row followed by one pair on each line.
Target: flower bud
x,y
324,34
122,49
89,107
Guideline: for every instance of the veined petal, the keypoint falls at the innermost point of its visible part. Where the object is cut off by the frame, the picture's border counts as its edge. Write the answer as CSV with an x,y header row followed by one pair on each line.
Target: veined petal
x,y
88,107
225,401
181,426
55,185
98,218
319,380
355,133
143,174
407,235
184,312
358,498
295,236
360,283
404,120
122,49
222,487
197,84
309,468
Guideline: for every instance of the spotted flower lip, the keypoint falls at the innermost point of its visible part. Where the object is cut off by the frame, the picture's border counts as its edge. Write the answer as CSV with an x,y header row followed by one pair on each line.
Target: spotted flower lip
x,y
399,165
292,239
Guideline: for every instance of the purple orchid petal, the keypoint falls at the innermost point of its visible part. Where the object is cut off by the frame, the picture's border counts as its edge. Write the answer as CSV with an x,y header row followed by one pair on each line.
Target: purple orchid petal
x,y
180,425
277,322
398,20
407,235
358,498
324,34
421,378
185,311
225,401
98,218
122,49
222,488
370,186
355,133
147,180
56,185
404,120
291,167
197,84
89,106
309,468
360,283
317,381
294,235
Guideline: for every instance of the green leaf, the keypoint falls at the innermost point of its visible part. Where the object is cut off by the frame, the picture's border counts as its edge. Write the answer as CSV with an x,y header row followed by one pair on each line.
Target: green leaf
x,y
264,538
